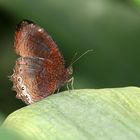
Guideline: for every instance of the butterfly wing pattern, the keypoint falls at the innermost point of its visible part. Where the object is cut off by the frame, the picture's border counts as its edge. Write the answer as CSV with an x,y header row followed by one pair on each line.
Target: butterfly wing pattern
x,y
40,70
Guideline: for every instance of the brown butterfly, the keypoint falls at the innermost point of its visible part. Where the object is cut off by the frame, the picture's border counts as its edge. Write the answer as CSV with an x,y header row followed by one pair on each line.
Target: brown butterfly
x,y
40,70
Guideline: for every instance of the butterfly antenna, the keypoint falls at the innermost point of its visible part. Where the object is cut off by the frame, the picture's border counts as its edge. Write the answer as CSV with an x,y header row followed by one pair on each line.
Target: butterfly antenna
x,y
73,58
79,56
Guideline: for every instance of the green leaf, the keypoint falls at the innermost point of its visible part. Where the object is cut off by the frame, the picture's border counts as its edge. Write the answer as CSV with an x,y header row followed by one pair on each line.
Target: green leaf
x,y
87,114
6,135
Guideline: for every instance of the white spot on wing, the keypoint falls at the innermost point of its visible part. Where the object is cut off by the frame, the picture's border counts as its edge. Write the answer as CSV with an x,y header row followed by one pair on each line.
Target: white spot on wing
x,y
32,24
19,79
40,30
26,94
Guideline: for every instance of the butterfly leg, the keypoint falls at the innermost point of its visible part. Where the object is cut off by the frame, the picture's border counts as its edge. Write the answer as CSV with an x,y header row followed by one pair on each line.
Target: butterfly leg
x,y
58,90
68,87
71,81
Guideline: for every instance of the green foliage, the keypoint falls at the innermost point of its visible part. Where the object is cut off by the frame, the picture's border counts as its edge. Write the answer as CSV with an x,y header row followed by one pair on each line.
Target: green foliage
x,y
88,114
7,135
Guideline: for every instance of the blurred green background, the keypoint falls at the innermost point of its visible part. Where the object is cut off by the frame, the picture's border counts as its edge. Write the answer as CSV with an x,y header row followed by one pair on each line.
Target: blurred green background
x,y
110,27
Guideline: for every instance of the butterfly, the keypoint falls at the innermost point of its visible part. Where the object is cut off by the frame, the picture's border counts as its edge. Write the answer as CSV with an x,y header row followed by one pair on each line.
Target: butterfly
x,y
40,70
